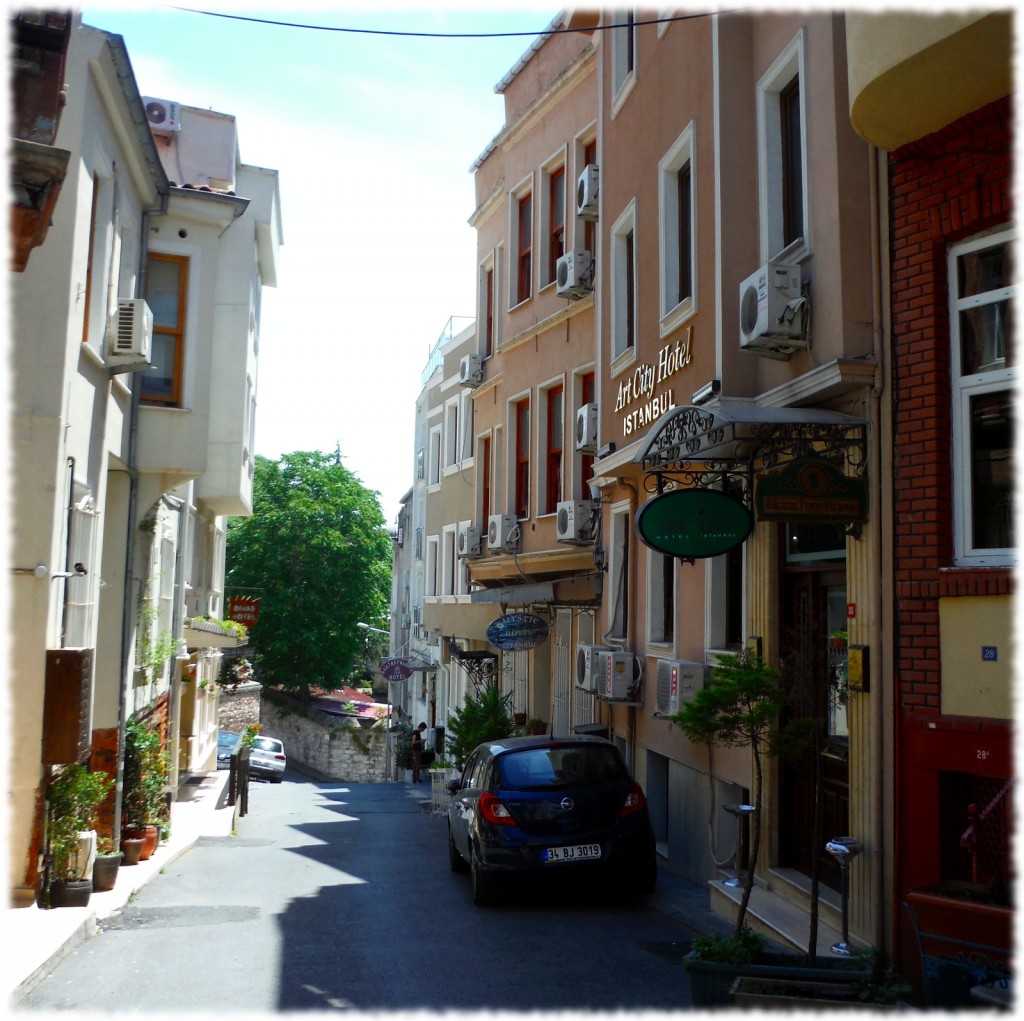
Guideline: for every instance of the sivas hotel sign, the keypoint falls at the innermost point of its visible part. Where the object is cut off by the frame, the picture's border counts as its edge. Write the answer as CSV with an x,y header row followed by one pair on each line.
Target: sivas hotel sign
x,y
638,399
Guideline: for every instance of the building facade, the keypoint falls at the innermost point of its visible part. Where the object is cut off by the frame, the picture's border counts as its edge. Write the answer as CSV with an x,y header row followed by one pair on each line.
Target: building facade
x,y
134,357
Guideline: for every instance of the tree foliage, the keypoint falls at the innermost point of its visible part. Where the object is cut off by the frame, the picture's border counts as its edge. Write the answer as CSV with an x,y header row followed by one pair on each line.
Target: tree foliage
x,y
484,716
318,555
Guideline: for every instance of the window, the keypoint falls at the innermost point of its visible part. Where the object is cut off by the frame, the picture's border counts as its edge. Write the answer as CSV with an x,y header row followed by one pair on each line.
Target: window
x,y
623,285
623,55
521,424
590,226
555,240
981,274
451,429
661,598
488,312
484,477
433,566
587,396
783,169
434,478
79,590
524,247
618,572
554,440
166,294
449,570
677,241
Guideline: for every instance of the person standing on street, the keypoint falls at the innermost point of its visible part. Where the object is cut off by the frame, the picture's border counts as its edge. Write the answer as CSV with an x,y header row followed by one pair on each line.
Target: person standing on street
x,y
416,744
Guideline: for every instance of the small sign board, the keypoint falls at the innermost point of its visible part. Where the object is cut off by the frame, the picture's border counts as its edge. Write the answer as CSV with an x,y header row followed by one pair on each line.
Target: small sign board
x,y
395,670
694,523
244,609
809,490
513,632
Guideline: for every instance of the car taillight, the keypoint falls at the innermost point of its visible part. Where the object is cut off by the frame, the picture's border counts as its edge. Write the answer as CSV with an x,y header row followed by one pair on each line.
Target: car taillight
x,y
494,811
635,801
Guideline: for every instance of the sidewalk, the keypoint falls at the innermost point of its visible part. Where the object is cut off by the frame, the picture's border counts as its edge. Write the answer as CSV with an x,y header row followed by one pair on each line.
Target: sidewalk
x,y
36,940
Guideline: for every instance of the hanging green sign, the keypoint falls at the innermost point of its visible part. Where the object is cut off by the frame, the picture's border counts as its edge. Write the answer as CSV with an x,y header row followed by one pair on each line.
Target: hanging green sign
x,y
694,524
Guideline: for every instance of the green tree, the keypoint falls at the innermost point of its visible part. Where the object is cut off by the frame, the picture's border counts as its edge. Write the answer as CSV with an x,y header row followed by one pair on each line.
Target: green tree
x,y
318,554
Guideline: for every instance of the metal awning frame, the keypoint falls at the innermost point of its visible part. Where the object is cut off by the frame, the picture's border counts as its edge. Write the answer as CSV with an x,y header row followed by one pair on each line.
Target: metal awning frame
x,y
481,665
728,445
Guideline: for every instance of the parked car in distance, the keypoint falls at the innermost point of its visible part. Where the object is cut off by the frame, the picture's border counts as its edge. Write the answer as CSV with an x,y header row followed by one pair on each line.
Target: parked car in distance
x,y
534,805
226,741
267,759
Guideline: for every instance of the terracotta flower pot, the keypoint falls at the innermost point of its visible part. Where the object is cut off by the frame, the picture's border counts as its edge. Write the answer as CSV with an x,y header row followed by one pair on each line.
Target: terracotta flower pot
x,y
132,848
104,871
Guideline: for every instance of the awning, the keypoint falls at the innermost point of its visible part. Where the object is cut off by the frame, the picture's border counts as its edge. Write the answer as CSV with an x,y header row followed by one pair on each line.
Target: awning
x,y
730,440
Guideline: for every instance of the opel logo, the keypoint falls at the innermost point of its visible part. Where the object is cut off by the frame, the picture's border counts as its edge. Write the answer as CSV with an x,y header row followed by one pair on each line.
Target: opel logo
x,y
567,804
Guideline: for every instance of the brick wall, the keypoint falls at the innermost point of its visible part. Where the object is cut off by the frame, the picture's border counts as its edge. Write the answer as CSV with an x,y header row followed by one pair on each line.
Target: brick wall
x,y
946,187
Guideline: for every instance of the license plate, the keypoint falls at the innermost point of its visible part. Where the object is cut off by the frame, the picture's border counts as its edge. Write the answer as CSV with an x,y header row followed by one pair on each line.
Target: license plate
x,y
577,852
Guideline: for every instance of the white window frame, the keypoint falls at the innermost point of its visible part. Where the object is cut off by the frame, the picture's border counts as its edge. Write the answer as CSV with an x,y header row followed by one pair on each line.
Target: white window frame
x,y
451,432
521,190
623,226
490,264
676,308
80,631
656,563
790,64
449,559
466,428
965,387
623,77
557,162
431,578
544,391
434,468
620,529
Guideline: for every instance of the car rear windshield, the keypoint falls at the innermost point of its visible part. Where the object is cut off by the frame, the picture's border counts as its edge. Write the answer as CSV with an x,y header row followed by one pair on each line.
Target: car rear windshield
x,y
560,766
267,744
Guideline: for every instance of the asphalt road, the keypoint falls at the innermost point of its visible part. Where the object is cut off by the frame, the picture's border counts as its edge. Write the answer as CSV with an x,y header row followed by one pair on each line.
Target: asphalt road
x,y
339,896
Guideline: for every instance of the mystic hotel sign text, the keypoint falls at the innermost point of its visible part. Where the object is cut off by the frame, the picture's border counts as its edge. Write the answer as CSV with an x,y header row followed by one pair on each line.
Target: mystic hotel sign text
x,y
638,388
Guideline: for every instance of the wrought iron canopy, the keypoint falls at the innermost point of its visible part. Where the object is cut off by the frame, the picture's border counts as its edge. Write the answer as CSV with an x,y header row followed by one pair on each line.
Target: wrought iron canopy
x,y
730,442
481,666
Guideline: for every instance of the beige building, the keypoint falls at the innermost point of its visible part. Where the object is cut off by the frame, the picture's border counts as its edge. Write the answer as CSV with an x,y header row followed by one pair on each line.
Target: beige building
x,y
134,362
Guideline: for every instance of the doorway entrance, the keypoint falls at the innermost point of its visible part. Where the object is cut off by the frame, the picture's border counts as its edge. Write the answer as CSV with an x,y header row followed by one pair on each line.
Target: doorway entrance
x,y
813,647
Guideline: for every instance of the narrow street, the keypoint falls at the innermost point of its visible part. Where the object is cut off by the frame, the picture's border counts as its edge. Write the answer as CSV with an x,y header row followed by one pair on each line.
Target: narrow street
x,y
337,896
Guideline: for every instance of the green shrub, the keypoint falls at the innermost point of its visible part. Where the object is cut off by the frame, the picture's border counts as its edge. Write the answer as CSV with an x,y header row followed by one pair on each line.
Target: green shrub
x,y
485,716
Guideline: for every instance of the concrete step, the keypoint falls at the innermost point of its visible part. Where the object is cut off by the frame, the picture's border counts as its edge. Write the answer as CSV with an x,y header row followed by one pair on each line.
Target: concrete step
x,y
796,888
775,917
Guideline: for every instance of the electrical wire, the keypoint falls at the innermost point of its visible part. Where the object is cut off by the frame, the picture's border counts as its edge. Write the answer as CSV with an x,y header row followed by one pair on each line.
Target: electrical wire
x,y
443,35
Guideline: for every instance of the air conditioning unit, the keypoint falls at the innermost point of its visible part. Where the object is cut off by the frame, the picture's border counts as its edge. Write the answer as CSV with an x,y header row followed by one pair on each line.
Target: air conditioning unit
x,y
772,311
468,541
574,275
501,529
574,521
130,336
590,666
587,192
678,680
471,372
164,116
586,428
620,674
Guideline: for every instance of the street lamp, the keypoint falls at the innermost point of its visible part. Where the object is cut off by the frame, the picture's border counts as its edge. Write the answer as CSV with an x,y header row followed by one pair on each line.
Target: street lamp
x,y
368,627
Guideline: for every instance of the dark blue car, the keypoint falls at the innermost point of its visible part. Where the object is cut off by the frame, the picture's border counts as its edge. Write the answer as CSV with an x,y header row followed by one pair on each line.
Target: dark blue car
x,y
539,804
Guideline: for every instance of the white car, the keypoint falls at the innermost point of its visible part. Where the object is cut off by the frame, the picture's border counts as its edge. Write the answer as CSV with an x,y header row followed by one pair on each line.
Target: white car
x,y
267,759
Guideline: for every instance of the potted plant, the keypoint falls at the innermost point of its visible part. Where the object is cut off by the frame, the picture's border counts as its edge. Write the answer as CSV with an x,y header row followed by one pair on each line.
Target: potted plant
x,y
484,716
73,796
108,861
144,774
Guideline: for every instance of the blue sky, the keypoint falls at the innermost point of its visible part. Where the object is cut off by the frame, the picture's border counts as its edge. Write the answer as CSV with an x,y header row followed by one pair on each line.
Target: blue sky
x,y
373,137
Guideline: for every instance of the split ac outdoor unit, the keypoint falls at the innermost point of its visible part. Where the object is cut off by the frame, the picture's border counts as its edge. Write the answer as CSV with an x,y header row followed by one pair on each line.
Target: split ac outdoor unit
x,y
587,192
130,336
470,371
619,674
164,116
590,666
500,529
586,428
574,521
469,541
574,275
678,680
772,311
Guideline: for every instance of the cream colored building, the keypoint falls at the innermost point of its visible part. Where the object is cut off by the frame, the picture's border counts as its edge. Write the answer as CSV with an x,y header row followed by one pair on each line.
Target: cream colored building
x,y
134,363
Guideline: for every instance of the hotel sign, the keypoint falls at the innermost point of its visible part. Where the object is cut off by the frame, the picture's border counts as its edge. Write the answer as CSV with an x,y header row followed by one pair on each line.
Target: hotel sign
x,y
395,670
810,490
513,632
694,524
637,398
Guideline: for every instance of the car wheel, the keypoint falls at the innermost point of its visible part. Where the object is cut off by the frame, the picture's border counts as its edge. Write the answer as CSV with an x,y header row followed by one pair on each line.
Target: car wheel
x,y
482,884
457,862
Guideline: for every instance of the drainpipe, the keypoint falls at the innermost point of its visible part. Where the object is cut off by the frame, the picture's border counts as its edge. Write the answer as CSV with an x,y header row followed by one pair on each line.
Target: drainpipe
x,y
70,464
